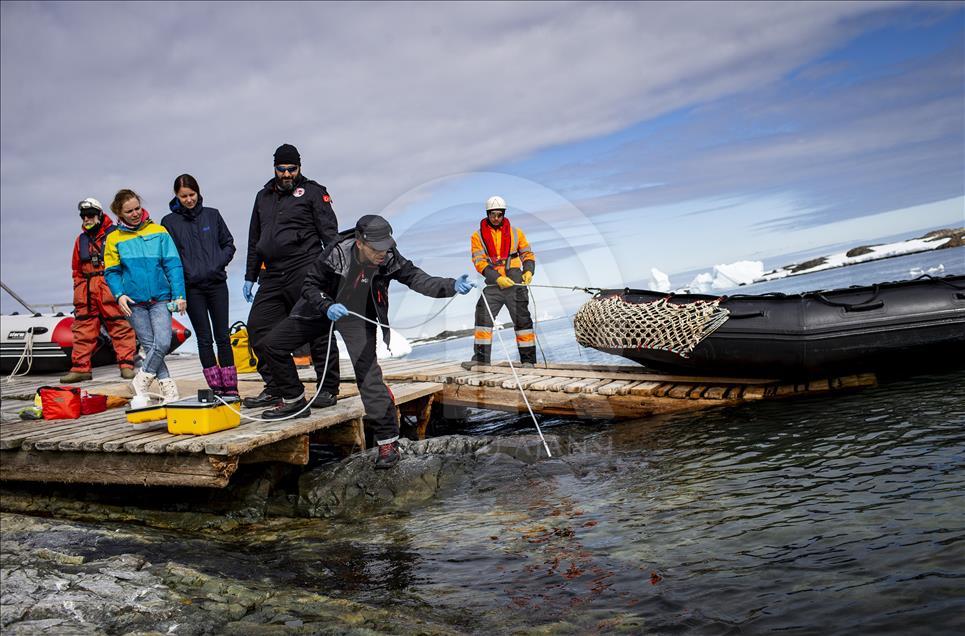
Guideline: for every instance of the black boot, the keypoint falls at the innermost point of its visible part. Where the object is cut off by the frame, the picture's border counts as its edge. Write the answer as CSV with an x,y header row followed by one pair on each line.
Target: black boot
x,y
288,408
388,455
474,362
324,399
264,399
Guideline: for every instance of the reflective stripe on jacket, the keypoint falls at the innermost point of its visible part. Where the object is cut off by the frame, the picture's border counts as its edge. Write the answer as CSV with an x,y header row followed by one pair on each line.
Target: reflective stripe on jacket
x,y
521,257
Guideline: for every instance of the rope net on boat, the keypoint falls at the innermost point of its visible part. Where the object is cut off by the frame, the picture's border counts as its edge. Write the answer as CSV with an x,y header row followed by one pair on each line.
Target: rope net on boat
x,y
611,322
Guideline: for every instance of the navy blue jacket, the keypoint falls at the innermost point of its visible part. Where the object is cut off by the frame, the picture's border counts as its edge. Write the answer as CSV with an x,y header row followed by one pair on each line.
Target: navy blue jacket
x,y
203,241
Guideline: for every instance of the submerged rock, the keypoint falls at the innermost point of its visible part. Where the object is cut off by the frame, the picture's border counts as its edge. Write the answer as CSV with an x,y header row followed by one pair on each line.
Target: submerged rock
x,y
427,469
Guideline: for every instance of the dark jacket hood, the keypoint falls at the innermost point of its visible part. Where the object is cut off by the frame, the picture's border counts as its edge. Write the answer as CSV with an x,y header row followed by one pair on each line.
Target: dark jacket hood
x,y
191,214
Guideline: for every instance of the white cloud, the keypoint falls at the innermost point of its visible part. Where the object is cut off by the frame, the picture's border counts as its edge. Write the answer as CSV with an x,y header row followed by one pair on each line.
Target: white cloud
x,y
379,98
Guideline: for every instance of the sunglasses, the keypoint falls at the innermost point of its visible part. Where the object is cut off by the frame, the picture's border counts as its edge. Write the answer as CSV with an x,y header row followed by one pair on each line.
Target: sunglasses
x,y
89,212
288,169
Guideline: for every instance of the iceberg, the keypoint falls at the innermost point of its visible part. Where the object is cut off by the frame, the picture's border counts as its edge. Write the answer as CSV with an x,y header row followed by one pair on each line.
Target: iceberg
x,y
658,280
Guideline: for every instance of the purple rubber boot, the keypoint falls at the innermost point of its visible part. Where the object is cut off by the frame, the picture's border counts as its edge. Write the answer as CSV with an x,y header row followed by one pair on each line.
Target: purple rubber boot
x,y
229,381
213,378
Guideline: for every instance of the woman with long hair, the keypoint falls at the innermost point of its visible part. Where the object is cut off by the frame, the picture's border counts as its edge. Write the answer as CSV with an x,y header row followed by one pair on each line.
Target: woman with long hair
x,y
206,247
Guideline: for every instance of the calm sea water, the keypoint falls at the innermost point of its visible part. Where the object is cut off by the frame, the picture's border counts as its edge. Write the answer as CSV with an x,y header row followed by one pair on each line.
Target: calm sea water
x,y
840,514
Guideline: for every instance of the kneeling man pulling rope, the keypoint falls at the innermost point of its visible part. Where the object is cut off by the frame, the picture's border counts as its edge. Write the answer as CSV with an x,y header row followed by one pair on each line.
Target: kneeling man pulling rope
x,y
352,277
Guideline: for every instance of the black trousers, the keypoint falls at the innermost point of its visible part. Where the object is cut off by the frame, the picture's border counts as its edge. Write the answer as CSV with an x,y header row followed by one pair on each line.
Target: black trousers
x,y
277,294
210,302
516,301
360,339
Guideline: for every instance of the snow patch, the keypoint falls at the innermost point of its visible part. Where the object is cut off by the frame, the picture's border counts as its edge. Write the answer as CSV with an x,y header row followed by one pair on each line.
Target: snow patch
x,y
875,252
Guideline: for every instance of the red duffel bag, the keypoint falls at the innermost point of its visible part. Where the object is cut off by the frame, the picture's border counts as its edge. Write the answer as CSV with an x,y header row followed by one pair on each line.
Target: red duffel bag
x,y
59,402
68,403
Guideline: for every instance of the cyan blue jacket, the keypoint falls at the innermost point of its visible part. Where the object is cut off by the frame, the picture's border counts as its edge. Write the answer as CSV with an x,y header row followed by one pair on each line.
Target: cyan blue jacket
x,y
143,264
203,241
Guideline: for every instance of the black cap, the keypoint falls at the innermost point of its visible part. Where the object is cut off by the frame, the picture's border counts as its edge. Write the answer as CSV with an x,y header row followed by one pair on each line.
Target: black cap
x,y
287,154
375,231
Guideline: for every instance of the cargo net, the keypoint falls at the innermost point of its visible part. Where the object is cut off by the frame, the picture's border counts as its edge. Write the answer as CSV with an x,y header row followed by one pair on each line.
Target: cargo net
x,y
613,323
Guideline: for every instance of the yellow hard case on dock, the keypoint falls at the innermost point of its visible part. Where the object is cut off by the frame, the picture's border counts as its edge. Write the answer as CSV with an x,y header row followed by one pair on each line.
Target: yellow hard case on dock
x,y
194,417
153,413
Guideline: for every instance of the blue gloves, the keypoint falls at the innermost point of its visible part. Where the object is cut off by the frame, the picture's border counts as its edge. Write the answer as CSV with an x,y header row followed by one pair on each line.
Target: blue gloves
x,y
336,311
463,285
247,291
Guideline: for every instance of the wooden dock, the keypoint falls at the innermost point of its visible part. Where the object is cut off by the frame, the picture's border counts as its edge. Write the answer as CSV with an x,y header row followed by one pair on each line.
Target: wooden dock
x,y
104,449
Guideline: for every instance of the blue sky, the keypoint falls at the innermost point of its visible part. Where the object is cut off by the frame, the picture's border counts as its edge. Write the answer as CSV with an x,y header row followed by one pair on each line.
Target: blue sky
x,y
624,136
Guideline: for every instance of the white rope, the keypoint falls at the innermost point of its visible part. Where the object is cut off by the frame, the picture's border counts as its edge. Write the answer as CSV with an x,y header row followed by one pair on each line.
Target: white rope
x,y
379,324
518,386
424,322
308,405
28,355
536,325
589,290
328,350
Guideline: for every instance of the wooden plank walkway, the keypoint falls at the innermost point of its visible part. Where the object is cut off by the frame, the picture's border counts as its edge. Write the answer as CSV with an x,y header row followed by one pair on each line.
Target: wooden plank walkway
x,y
104,448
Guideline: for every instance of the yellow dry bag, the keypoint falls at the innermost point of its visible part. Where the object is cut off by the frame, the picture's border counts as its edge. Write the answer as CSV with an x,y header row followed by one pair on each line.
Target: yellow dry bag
x,y
245,359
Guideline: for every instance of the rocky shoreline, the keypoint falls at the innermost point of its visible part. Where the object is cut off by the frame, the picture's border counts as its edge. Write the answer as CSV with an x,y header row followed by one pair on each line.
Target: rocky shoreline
x,y
87,560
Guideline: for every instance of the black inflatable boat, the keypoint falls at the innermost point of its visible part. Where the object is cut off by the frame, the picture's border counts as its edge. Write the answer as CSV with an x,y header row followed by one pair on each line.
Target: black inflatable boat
x,y
889,328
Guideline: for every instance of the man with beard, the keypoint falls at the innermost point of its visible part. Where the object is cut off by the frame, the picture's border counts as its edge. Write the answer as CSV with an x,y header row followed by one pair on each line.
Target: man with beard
x,y
93,301
291,222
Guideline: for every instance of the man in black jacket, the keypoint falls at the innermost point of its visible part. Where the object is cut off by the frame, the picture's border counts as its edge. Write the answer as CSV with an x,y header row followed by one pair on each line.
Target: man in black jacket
x,y
352,275
291,223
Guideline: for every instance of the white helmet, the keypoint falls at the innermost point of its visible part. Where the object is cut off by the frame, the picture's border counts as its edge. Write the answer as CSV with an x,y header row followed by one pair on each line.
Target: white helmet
x,y
88,203
495,203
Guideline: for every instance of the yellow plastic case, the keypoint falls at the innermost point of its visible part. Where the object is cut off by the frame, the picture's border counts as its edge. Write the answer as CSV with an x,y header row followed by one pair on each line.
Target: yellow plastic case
x,y
192,417
151,413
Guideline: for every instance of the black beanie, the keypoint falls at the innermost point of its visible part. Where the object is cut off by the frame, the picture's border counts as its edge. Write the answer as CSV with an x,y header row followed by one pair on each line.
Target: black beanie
x,y
287,154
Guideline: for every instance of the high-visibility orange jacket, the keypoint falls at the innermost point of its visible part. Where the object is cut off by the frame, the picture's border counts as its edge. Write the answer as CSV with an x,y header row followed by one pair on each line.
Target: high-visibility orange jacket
x,y
520,255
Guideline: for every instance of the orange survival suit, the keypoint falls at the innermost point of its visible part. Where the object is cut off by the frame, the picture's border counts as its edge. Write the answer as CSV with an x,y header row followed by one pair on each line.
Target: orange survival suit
x,y
93,302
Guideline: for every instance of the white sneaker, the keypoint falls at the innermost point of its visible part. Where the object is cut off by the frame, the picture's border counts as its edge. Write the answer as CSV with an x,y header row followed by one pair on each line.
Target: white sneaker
x,y
169,389
141,384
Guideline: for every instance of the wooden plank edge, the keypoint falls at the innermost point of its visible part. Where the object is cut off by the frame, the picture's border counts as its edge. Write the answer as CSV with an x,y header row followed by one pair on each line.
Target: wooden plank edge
x,y
117,468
